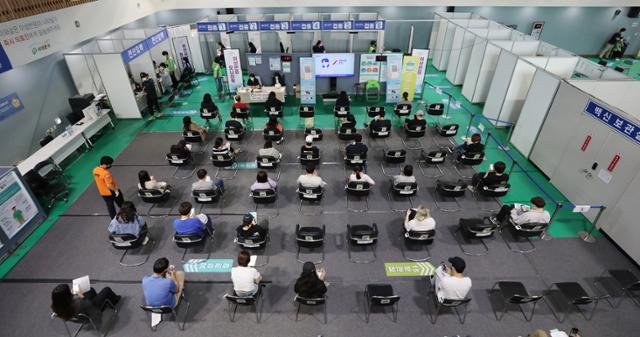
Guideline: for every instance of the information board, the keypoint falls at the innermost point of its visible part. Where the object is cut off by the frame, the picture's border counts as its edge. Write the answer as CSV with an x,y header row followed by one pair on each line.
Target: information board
x,y
16,206
621,124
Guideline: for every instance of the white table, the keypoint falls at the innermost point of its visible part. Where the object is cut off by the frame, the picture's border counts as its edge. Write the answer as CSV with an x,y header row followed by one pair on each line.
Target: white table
x,y
249,95
65,144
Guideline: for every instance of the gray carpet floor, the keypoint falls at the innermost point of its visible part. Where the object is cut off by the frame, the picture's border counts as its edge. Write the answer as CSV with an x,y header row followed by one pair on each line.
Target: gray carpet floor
x,y
77,245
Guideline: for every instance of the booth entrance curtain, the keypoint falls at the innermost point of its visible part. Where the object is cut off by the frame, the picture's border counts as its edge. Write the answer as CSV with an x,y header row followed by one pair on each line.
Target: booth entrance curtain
x,y
16,9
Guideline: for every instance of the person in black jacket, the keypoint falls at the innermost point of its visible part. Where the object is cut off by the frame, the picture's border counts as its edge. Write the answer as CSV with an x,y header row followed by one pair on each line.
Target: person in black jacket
x,y
211,107
253,81
309,148
357,147
149,88
67,304
343,100
273,102
180,149
311,282
250,228
417,121
252,48
471,145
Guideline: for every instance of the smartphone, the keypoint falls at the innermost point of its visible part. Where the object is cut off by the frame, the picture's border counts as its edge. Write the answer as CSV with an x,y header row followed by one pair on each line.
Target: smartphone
x,y
573,332
491,167
172,268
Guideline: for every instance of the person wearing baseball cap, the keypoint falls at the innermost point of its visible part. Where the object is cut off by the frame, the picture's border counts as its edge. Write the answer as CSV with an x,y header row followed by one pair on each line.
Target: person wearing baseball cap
x,y
450,282
417,121
250,228
309,148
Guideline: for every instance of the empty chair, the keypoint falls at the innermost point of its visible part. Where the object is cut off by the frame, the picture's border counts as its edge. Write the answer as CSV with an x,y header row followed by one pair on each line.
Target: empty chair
x,y
234,301
307,111
395,156
309,194
268,162
514,292
380,295
309,237
414,131
50,171
168,310
186,241
403,190
574,294
492,192
274,111
432,158
355,159
449,189
309,157
206,196
241,113
129,241
448,130
347,132
627,283
475,228
402,110
468,159
380,129
272,134
526,231
435,109
362,236
48,193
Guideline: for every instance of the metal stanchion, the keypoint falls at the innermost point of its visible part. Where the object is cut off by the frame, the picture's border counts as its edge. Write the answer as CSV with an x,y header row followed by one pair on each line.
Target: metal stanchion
x,y
513,165
586,236
486,141
446,113
511,127
469,126
546,236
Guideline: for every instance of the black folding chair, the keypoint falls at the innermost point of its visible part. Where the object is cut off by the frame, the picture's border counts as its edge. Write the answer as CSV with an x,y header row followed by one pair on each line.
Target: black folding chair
x,y
311,302
129,241
268,163
402,110
525,231
346,133
207,197
84,320
309,237
574,294
178,162
358,189
273,111
626,283
266,196
194,137
222,161
448,303
491,193
209,115
423,238
380,130
362,236
392,156
468,160
272,134
186,241
251,301
167,310
475,228
234,133
153,196
403,190
432,158
310,194
255,243
341,112
375,110
316,133
308,157
352,159
448,189
380,295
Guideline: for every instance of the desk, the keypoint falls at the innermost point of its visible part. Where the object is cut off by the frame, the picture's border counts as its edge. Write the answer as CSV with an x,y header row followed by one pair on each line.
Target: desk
x,y
65,144
260,95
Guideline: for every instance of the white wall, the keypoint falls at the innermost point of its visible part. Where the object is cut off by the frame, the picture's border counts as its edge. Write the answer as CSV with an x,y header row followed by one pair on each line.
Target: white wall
x,y
116,82
621,94
499,85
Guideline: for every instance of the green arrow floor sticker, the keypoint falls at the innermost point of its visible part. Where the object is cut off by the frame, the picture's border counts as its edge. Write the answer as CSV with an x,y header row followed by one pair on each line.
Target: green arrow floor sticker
x,y
394,269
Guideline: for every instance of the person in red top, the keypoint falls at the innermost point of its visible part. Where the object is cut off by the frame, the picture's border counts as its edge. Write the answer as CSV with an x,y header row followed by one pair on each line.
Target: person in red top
x,y
239,104
107,186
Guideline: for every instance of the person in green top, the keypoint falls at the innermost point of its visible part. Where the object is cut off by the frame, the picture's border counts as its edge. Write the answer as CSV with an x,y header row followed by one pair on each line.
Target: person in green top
x,y
171,67
218,75
372,47
18,215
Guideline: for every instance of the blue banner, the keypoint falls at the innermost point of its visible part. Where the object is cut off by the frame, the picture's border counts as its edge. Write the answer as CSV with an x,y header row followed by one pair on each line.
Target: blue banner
x,y
614,121
134,51
368,25
10,105
274,25
305,25
157,38
243,26
5,64
337,25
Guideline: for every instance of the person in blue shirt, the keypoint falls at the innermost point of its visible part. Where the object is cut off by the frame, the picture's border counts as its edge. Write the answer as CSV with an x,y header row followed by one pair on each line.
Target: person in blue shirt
x,y
164,287
127,221
189,223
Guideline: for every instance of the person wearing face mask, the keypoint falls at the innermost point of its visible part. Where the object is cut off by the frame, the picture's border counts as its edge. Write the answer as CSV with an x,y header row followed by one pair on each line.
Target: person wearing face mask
x,y
107,186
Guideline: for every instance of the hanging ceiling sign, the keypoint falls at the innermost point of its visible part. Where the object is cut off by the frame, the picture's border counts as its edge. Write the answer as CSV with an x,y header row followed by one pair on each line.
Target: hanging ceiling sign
x,y
340,25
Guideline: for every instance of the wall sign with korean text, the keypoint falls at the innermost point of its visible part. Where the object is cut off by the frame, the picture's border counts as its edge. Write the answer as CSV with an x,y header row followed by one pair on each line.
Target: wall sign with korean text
x,y
621,124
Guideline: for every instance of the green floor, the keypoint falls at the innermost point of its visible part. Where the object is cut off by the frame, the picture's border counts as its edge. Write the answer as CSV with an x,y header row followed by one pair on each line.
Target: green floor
x,y
112,142
631,66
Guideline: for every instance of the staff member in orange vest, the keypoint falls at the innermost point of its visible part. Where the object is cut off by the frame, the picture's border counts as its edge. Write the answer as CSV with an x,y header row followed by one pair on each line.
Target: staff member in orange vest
x,y
107,185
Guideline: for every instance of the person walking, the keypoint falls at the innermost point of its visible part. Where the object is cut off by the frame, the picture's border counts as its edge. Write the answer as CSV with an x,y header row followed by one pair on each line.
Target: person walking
x,y
107,186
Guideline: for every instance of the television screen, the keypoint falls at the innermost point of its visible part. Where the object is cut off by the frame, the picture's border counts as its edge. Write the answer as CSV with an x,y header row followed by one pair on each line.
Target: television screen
x,y
334,65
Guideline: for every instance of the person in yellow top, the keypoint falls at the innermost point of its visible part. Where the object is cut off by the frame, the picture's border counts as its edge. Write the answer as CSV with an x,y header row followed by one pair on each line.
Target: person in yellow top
x,y
171,67
372,47
107,186
218,76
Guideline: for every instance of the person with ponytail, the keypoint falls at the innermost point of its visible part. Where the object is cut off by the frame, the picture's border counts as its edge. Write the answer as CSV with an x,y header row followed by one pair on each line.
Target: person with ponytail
x,y
358,175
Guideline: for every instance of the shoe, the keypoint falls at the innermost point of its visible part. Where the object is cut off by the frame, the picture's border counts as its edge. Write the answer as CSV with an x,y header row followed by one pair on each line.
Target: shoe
x,y
493,220
146,240
471,188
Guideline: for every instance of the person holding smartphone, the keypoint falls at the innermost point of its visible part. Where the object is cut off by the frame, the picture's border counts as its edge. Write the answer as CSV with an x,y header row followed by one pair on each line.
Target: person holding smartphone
x,y
164,287
450,282
494,176
521,213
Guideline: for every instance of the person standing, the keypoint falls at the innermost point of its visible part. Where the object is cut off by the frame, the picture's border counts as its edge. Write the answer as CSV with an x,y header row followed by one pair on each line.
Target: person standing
x,y
171,66
149,88
611,43
107,186
372,47
217,76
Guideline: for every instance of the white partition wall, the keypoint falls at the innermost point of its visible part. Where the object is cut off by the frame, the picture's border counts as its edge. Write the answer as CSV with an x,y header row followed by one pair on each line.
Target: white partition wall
x,y
517,91
194,45
534,110
473,68
500,84
620,94
116,83
461,48
85,75
525,48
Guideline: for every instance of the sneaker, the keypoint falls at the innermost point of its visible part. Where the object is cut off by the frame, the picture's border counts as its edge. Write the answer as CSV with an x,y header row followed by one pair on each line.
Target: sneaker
x,y
146,240
471,188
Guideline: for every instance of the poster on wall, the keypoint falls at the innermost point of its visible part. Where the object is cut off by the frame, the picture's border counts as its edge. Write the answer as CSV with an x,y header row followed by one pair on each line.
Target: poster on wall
x,y
409,75
16,206
307,81
423,55
369,68
29,39
9,105
274,63
394,69
234,71
181,46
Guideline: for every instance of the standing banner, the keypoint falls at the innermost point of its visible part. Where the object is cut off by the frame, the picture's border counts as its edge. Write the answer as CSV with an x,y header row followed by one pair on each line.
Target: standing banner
x,y
394,69
423,55
307,81
409,75
234,72
369,68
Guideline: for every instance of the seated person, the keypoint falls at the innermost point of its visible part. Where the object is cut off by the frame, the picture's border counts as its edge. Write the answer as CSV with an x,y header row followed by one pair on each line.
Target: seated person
x,y
311,178
253,81
190,223
269,150
222,147
358,175
356,148
308,147
127,221
405,100
342,101
311,283
273,102
246,280
250,228
181,149
205,183
208,105
234,122
349,122
379,122
471,145
238,104
273,124
417,121
419,220
278,78
149,182
494,176
164,287
450,283
521,214
190,126
67,303
263,182
405,177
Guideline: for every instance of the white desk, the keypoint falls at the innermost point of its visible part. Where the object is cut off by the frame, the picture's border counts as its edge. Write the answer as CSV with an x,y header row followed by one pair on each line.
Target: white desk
x,y
249,95
65,144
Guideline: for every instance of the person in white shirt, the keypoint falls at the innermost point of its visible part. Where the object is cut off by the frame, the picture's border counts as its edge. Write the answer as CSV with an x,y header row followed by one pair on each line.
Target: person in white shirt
x,y
246,280
419,220
311,179
358,175
269,150
450,283
521,214
405,177
149,182
205,183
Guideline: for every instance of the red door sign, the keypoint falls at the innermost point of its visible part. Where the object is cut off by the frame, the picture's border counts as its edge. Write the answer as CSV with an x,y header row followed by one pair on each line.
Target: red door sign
x,y
614,163
585,144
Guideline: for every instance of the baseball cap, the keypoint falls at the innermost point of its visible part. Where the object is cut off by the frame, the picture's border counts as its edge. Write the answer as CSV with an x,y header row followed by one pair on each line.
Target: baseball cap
x,y
457,263
420,113
247,218
309,139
